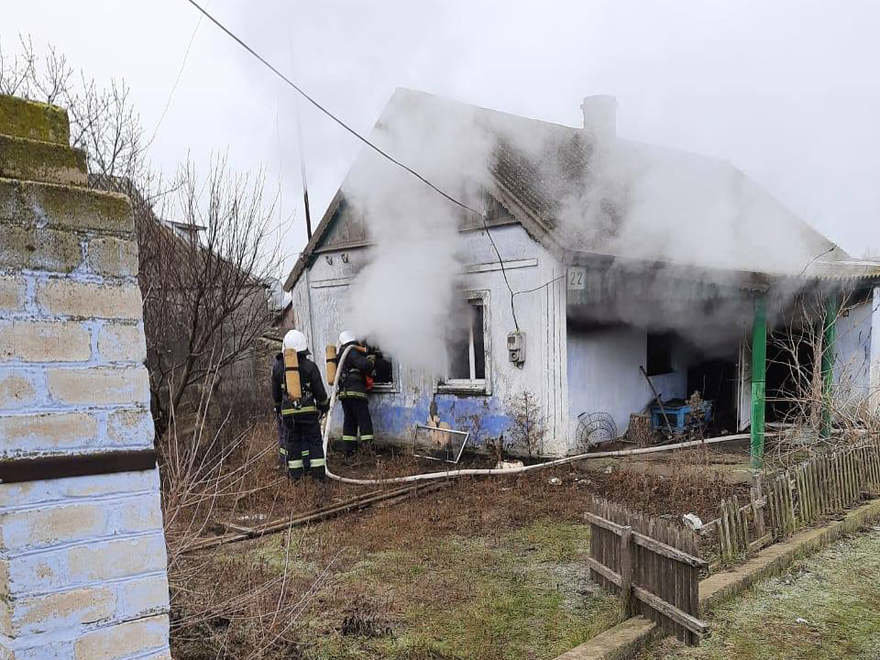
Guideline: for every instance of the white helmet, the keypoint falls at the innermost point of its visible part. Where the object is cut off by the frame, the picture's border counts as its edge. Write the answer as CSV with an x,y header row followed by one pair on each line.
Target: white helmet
x,y
346,337
296,340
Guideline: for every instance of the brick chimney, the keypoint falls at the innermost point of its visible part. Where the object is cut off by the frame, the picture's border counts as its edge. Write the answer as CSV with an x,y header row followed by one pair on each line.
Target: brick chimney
x,y
600,116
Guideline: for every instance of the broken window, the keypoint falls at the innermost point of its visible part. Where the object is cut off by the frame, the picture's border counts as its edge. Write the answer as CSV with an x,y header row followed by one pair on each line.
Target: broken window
x,y
659,358
384,370
466,349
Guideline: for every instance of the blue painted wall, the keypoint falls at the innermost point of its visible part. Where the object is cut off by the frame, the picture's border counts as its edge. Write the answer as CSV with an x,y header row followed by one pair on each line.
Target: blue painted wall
x,y
483,416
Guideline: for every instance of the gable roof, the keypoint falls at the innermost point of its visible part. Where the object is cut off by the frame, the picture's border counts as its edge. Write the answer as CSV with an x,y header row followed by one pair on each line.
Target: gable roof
x,y
575,195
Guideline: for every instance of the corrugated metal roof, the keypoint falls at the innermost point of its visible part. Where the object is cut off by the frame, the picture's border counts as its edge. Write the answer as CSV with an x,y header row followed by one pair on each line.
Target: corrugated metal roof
x,y
844,269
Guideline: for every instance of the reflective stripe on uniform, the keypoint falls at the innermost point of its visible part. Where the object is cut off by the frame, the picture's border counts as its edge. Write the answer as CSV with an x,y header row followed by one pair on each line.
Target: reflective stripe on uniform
x,y
318,462
295,465
349,438
352,395
366,437
298,411
282,451
305,452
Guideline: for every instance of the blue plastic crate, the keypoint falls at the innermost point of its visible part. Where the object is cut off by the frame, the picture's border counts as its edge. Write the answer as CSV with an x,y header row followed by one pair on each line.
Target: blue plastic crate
x,y
677,415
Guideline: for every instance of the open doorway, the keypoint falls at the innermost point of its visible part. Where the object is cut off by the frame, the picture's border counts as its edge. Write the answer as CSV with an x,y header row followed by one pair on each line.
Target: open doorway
x,y
790,364
716,381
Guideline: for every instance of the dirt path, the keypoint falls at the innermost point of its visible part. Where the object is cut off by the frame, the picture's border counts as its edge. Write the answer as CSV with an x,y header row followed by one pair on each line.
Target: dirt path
x,y
826,606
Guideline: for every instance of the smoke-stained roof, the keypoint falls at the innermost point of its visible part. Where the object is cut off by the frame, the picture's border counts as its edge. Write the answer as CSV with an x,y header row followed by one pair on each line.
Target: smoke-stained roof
x,y
617,197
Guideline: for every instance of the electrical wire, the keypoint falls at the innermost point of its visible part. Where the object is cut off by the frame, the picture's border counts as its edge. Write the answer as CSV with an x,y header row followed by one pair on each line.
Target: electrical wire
x,y
541,286
332,116
368,143
503,273
176,82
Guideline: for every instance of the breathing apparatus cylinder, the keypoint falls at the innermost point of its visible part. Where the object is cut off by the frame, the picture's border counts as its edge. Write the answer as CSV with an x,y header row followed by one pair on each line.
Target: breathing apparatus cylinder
x,y
332,362
291,375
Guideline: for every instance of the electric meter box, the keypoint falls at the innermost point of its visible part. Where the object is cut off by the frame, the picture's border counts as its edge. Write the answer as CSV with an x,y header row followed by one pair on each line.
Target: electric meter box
x,y
516,347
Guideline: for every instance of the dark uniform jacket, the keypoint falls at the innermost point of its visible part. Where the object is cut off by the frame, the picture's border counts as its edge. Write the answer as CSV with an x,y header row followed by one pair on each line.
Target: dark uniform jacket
x,y
355,369
314,398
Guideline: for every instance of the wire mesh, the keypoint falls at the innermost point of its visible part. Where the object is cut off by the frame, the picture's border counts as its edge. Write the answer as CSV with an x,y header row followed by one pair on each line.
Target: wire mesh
x,y
438,444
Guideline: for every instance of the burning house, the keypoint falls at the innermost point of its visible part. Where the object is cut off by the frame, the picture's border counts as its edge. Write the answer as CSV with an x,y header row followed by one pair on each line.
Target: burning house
x,y
594,273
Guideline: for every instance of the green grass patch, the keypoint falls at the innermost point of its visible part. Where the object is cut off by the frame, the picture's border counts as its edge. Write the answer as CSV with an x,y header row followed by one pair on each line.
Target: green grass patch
x,y
522,594
827,606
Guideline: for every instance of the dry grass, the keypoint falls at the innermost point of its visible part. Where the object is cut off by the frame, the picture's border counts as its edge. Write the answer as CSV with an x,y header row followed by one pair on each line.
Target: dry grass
x,y
487,567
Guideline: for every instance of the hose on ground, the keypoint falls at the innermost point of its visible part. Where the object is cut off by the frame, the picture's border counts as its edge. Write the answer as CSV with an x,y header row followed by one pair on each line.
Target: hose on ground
x,y
449,474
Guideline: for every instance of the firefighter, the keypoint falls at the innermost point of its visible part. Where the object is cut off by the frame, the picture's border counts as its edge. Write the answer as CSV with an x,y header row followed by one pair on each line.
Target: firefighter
x,y
301,416
355,377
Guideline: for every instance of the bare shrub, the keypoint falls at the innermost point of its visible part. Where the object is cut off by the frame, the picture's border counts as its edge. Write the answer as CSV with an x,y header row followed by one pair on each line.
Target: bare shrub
x,y
819,403
527,426
223,606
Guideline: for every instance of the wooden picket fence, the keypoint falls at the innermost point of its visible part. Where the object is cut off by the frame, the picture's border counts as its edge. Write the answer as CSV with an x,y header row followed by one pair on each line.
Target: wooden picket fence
x,y
651,563
794,498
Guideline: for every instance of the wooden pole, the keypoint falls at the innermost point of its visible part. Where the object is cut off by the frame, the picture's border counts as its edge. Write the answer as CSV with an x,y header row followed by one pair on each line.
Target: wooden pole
x,y
626,571
759,378
657,398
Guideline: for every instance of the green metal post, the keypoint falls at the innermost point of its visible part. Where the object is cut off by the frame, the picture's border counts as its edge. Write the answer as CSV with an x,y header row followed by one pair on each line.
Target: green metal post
x,y
759,379
832,306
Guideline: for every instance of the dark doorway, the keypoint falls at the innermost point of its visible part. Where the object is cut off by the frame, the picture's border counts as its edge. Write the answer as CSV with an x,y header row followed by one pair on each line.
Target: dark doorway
x,y
715,380
789,373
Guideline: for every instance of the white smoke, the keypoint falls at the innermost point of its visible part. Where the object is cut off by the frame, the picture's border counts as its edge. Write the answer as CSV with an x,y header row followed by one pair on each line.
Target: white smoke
x,y
654,203
613,196
404,298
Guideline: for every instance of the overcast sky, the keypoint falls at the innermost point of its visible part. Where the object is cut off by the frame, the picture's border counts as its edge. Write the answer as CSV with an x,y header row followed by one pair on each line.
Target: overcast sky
x,y
788,91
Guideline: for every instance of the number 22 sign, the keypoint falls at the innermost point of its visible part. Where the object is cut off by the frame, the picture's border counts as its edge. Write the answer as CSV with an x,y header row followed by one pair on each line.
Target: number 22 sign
x,y
577,278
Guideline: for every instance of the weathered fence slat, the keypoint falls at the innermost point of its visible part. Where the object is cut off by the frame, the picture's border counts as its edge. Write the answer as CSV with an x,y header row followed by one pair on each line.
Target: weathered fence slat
x,y
626,571
757,511
651,564
799,496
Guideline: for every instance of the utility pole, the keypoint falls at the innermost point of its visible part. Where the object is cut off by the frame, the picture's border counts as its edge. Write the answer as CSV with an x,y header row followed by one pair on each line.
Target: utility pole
x,y
302,171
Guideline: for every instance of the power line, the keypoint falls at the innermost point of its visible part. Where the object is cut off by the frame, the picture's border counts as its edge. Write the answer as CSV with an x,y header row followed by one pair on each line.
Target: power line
x,y
366,141
176,81
327,112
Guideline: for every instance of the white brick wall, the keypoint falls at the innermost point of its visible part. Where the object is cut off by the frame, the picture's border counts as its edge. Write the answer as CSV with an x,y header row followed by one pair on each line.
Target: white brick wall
x,y
82,559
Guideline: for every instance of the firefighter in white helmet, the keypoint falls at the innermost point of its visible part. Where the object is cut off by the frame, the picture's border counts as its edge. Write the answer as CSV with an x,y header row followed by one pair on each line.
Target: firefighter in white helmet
x,y
355,381
301,414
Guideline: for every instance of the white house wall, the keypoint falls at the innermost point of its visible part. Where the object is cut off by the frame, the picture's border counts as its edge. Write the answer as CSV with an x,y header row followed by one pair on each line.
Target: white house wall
x,y
875,351
541,315
604,375
852,363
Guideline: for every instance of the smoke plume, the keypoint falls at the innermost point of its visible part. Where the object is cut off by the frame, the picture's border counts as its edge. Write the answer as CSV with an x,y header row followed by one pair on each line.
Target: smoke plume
x,y
404,298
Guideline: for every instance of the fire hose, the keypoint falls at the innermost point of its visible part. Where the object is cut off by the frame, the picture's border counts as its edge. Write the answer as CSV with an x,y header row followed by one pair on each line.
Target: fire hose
x,y
449,474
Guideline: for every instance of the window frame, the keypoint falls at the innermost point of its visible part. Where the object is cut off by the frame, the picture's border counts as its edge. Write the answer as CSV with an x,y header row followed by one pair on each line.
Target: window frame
x,y
394,386
474,386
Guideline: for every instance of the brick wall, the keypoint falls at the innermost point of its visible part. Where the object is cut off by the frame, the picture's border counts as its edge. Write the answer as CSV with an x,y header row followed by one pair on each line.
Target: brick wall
x,y
82,558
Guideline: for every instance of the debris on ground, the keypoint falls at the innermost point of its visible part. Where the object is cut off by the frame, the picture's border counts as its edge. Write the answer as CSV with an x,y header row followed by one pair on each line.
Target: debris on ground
x,y
692,521
508,465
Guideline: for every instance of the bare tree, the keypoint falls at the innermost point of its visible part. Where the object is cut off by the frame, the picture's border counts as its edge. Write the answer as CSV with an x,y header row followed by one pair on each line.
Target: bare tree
x,y
204,290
